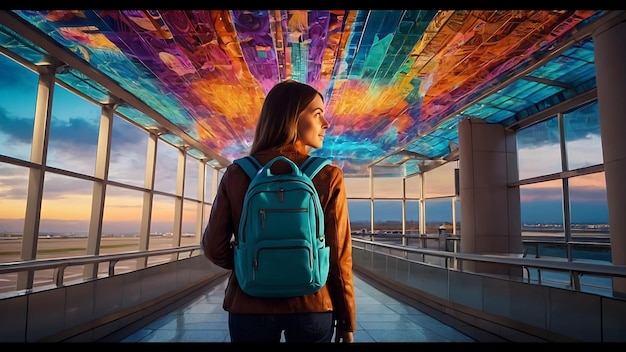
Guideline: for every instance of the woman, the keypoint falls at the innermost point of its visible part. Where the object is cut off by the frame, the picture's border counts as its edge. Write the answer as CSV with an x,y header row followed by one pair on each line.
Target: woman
x,y
291,122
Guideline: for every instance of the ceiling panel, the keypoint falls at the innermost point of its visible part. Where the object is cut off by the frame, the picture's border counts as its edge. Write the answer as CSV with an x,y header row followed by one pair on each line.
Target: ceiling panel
x,y
393,80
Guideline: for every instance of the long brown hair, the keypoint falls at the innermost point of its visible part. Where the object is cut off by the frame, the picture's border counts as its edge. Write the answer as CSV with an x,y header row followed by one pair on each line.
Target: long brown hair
x,y
278,122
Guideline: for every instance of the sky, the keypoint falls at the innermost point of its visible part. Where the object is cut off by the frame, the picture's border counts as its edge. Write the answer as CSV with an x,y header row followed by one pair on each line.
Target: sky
x,y
73,141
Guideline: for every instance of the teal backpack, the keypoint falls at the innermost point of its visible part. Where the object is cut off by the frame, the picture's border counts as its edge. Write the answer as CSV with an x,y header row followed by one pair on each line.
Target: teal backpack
x,y
281,247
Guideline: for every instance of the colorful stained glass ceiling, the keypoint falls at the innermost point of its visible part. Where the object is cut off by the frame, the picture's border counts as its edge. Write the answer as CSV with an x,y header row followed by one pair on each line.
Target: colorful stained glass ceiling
x,y
395,82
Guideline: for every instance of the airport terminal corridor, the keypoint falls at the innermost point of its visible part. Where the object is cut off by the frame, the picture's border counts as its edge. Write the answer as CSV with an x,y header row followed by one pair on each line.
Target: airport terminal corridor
x,y
380,318
482,152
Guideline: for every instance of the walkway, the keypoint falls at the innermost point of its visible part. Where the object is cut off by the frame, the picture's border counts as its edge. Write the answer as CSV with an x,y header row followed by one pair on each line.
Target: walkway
x,y
380,318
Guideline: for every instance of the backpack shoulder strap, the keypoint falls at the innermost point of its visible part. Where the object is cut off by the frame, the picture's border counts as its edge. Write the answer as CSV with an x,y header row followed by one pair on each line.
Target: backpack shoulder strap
x,y
249,164
313,165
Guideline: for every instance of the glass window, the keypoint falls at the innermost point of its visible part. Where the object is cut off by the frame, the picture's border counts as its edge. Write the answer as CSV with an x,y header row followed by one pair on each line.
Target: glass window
x,y
542,209
357,187
205,216
192,168
162,224
121,225
582,137
388,216
457,205
438,212
387,187
538,149
122,214
360,215
439,182
129,146
588,205
190,217
74,128
208,184
414,187
412,216
162,227
18,97
65,216
166,168
13,195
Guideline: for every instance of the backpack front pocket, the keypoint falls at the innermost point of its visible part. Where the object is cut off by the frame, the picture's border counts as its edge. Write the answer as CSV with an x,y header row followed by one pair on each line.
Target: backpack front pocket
x,y
283,261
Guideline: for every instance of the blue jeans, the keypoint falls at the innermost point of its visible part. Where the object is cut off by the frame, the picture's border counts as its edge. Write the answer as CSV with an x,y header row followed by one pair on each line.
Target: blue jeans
x,y
298,327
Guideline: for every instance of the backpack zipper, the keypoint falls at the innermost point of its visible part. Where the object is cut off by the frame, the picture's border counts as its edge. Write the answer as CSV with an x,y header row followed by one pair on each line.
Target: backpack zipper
x,y
263,213
315,201
255,262
255,266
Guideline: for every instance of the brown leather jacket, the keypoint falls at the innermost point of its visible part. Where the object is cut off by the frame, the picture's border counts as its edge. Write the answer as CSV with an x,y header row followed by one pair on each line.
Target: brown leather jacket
x,y
338,293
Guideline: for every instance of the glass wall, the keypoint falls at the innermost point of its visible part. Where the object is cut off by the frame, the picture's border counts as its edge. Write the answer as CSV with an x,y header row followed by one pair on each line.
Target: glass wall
x,y
67,183
65,214
360,215
358,187
388,216
562,186
563,190
192,167
121,220
18,94
588,205
440,197
387,187
412,216
73,138
431,196
438,213
128,153
166,168
541,139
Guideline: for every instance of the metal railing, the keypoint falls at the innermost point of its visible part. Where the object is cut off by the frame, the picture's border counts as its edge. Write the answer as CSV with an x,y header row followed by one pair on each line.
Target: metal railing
x,y
59,265
455,260
447,259
550,248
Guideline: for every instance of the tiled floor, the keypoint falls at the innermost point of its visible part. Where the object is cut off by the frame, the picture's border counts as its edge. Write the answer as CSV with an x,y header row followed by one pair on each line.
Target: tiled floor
x,y
380,318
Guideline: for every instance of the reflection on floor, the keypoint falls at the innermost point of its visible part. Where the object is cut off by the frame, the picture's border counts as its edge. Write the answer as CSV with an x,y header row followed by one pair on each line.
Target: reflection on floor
x,y
380,318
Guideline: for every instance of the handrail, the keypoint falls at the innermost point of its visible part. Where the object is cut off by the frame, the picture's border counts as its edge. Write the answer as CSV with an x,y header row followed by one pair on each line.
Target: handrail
x,y
41,264
563,241
62,263
577,267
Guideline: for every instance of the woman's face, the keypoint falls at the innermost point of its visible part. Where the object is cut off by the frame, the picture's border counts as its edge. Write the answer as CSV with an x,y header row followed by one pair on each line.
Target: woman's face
x,y
312,125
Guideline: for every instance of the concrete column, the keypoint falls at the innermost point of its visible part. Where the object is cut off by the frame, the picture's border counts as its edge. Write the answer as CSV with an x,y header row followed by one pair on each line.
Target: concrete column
x,y
490,210
610,51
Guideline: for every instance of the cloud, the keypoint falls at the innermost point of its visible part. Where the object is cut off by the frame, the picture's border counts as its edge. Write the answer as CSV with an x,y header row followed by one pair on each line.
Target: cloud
x,y
62,187
13,181
538,146
529,193
592,196
74,132
128,153
17,129
124,133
